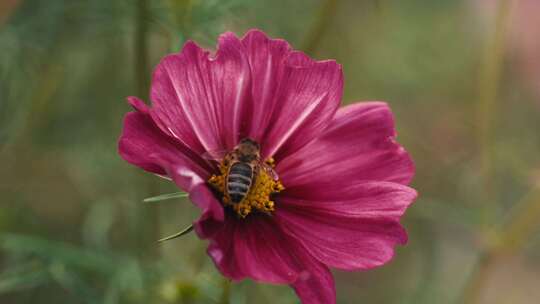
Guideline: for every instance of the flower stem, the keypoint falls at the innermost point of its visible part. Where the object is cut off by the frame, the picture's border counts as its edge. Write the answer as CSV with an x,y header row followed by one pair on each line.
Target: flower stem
x,y
476,281
522,224
488,87
142,82
141,49
225,292
325,15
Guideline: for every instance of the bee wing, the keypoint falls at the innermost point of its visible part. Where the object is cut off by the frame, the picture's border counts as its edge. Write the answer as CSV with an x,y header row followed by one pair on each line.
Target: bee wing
x,y
266,167
216,155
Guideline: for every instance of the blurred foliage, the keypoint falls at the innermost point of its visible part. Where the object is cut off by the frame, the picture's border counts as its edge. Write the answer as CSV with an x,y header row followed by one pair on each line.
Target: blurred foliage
x,y
73,228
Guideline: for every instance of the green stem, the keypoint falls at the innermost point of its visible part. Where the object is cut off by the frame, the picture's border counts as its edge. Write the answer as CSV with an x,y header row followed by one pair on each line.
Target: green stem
x,y
522,224
488,88
513,236
142,76
142,82
489,81
325,15
225,292
477,278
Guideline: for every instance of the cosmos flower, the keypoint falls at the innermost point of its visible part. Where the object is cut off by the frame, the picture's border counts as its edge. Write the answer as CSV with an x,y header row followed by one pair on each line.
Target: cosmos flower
x,y
340,184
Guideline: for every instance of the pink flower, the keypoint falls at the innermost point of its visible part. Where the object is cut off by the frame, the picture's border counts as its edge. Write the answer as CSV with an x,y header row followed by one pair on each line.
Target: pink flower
x,y
344,176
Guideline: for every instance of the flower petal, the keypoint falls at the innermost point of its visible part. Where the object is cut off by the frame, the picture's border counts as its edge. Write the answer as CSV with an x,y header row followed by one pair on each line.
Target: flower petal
x,y
141,140
359,231
253,247
198,190
293,96
267,62
256,248
316,285
358,146
384,200
253,88
143,144
201,100
306,99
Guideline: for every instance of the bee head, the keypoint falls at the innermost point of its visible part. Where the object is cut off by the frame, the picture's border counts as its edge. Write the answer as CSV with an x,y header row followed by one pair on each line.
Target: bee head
x,y
248,149
249,142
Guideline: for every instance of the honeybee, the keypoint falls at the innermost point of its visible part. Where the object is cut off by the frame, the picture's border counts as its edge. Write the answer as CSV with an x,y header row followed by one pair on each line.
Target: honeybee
x,y
243,165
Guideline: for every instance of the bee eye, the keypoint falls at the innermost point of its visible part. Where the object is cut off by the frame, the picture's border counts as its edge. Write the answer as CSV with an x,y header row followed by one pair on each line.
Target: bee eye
x,y
250,141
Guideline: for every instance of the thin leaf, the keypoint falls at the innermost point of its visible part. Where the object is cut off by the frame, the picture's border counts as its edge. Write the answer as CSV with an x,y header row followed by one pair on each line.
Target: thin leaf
x,y
165,197
58,251
73,283
177,235
23,276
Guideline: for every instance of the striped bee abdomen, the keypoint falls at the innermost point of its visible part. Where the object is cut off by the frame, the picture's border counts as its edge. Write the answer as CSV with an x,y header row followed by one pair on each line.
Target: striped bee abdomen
x,y
239,181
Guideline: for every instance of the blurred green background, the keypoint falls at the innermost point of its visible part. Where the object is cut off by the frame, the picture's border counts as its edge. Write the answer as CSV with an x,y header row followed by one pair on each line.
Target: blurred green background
x,y
461,76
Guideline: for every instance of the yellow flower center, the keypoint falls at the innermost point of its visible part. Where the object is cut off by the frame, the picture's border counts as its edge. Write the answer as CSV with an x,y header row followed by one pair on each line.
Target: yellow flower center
x,y
259,195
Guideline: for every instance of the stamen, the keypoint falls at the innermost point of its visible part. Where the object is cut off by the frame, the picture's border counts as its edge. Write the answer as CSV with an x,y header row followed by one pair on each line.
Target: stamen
x,y
259,196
